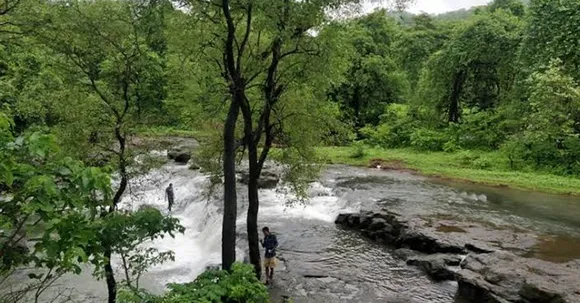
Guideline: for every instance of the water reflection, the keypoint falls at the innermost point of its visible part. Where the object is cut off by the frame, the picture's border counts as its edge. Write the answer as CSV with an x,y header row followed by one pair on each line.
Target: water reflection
x,y
558,249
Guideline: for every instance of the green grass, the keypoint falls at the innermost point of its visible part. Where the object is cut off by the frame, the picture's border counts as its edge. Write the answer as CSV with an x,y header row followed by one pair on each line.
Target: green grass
x,y
480,167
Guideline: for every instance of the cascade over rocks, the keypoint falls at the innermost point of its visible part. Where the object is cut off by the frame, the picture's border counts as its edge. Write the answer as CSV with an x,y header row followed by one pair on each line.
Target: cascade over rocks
x,y
486,275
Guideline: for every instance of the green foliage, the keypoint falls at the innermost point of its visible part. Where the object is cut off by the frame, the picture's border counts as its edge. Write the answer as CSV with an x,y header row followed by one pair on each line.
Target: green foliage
x,y
372,79
551,33
241,285
359,151
50,198
551,135
428,140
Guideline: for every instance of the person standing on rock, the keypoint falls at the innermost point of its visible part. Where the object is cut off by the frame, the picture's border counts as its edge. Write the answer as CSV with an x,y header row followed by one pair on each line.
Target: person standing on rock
x,y
170,196
270,243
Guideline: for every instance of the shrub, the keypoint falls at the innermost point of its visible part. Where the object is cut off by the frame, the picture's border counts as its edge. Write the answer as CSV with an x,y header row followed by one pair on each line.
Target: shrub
x,y
216,286
466,157
482,163
358,151
428,140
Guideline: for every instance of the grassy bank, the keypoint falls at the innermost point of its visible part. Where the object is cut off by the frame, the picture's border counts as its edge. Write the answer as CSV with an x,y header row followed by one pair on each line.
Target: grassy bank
x,y
489,168
481,167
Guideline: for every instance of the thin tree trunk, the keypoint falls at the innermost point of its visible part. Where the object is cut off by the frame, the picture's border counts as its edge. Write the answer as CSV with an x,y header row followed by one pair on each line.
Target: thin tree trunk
x,y
271,94
230,196
110,277
455,96
109,273
253,199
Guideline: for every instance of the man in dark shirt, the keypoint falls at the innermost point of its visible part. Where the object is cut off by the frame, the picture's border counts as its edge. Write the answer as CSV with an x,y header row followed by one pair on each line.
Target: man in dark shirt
x,y
170,195
270,243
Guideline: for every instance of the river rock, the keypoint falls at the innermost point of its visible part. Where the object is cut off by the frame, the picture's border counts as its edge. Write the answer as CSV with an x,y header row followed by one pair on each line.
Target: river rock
x,y
353,220
267,180
179,156
404,253
419,241
377,224
213,267
504,277
387,227
181,150
435,266
341,219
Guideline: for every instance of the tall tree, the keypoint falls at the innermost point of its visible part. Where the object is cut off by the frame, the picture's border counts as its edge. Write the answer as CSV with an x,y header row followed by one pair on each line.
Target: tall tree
x,y
106,51
373,79
260,48
475,67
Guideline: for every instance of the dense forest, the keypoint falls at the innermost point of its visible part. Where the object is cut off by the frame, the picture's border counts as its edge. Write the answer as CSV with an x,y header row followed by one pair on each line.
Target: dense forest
x,y
79,80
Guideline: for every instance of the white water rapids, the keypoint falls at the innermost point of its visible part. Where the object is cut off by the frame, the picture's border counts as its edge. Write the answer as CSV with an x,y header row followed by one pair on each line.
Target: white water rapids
x,y
200,245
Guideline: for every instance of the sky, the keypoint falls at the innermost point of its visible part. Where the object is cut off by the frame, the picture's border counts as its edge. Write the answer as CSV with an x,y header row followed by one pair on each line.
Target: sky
x,y
436,6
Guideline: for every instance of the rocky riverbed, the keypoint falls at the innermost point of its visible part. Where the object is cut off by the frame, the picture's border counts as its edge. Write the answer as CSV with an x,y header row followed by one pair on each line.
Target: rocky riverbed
x,y
428,242
484,270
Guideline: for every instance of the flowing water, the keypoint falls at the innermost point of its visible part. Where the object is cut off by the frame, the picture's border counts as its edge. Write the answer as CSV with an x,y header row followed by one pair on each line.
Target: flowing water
x,y
323,263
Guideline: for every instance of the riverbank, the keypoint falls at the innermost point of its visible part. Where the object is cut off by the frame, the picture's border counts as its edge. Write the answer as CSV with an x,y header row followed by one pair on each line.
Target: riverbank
x,y
487,168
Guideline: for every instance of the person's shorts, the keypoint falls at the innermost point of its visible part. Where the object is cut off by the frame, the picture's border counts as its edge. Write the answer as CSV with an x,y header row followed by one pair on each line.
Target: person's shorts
x,y
270,262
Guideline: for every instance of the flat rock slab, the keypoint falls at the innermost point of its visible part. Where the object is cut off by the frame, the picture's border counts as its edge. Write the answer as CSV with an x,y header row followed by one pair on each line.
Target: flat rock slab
x,y
505,277
489,274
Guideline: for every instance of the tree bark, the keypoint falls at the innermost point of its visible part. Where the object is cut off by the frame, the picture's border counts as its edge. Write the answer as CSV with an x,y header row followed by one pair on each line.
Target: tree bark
x,y
458,81
271,95
232,74
110,277
253,207
109,273
230,196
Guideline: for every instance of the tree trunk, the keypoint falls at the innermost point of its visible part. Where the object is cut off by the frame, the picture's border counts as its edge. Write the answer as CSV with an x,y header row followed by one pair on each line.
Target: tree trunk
x,y
455,96
356,102
230,196
110,277
253,199
109,274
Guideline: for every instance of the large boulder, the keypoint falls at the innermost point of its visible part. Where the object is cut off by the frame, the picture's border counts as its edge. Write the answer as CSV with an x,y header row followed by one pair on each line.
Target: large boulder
x,y
267,180
179,156
181,150
504,277
341,219
353,220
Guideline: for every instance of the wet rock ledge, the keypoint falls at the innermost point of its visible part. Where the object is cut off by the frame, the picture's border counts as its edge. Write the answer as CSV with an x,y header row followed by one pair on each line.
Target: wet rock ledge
x,y
484,275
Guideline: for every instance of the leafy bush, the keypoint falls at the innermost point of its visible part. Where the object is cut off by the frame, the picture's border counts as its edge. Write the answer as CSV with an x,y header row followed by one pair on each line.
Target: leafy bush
x,y
358,151
482,163
241,285
466,157
395,128
428,140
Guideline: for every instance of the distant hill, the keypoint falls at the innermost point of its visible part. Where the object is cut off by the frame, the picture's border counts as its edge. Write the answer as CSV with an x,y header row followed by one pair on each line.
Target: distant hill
x,y
406,17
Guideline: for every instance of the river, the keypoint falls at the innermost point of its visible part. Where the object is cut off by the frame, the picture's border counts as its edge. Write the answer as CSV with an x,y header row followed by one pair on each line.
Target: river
x,y
323,263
